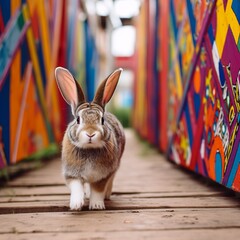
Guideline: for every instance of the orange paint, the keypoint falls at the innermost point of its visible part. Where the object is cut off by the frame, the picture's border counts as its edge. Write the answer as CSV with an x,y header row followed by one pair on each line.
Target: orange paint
x,y
15,4
217,146
236,183
15,97
197,80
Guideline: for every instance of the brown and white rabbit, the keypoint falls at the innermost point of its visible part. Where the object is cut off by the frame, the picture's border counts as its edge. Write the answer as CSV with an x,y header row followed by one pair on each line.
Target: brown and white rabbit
x,y
93,142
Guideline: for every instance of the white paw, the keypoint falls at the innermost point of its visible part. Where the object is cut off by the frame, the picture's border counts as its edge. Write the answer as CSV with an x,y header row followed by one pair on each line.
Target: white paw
x,y
77,194
76,202
96,205
87,190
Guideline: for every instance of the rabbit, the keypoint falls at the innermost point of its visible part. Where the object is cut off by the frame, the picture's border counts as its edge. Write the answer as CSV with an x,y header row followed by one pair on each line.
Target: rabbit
x,y
93,143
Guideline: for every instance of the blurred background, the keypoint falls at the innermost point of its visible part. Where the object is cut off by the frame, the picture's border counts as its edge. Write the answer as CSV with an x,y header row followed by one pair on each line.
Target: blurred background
x,y
179,89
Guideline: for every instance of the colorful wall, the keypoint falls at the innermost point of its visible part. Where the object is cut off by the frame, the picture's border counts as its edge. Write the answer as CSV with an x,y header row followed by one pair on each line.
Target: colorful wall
x,y
187,88
35,37
190,106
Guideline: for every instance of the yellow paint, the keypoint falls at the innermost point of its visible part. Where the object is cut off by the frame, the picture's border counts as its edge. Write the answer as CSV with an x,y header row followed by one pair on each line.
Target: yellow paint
x,y
140,99
225,19
207,95
236,92
35,62
231,114
32,4
46,44
231,142
187,48
39,7
179,87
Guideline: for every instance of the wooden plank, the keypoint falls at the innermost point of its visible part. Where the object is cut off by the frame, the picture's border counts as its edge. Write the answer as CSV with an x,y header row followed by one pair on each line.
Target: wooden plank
x,y
121,189
190,234
134,185
152,199
138,184
33,191
51,178
117,221
52,196
118,203
45,180
51,174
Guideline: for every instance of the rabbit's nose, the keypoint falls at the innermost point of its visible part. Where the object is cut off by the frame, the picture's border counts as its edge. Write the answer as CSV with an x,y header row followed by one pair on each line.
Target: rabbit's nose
x,y
91,135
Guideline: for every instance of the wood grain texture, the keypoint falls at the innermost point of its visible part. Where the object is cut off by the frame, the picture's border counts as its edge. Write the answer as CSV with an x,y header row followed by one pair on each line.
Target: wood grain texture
x,y
152,199
190,234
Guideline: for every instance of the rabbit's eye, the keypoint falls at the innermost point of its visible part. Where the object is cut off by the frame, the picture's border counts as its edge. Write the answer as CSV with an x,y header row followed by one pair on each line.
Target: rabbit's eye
x,y
102,120
78,120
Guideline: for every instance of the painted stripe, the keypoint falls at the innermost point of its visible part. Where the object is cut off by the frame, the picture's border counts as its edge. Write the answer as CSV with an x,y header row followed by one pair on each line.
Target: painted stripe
x,y
37,73
234,168
192,21
27,78
10,42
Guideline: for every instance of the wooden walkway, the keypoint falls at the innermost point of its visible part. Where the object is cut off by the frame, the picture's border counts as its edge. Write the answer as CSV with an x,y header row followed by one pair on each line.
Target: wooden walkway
x,y
152,199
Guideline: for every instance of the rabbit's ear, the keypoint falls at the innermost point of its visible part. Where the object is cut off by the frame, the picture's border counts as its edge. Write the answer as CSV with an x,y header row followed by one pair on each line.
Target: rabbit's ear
x,y
107,87
69,88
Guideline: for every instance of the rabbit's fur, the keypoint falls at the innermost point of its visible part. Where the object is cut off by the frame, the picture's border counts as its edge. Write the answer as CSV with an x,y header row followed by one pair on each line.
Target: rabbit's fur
x,y
93,142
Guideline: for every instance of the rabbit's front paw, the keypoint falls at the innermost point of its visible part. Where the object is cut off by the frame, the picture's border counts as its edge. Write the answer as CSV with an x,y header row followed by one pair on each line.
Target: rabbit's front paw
x,y
77,194
76,202
87,190
96,205
96,200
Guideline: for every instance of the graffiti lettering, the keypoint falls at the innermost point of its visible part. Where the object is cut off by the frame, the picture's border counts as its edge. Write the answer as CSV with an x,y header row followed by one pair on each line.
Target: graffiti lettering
x,y
236,87
221,130
231,115
236,91
230,146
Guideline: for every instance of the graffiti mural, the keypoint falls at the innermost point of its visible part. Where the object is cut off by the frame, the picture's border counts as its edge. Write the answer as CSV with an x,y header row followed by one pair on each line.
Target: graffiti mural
x,y
187,22
203,87
35,37
28,111
209,121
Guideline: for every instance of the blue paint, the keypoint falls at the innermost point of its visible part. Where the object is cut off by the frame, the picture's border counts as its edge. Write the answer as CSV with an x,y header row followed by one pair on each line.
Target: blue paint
x,y
180,67
5,7
192,20
173,20
236,9
218,168
10,43
25,57
209,136
210,34
91,62
205,169
72,16
41,63
196,102
5,116
221,74
188,119
234,167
